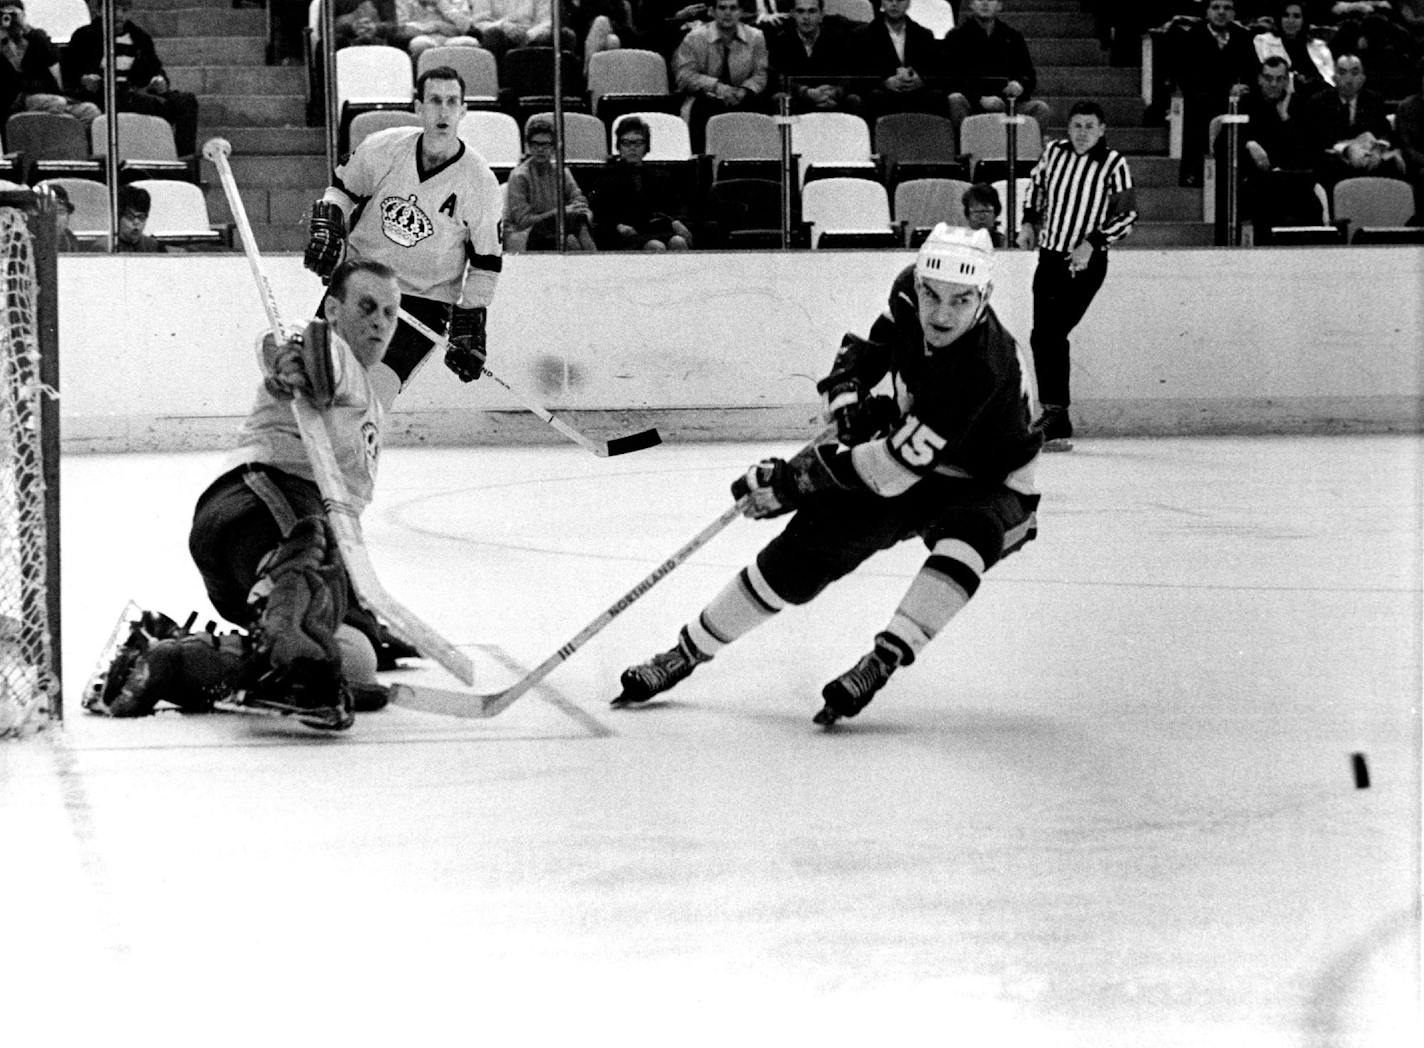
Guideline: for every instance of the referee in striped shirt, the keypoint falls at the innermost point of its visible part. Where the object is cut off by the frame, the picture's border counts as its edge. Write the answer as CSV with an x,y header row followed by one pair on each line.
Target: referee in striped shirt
x,y
1081,200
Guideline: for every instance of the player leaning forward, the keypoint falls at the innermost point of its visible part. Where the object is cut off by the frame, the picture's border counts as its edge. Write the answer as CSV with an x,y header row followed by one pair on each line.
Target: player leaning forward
x,y
260,536
948,460
423,203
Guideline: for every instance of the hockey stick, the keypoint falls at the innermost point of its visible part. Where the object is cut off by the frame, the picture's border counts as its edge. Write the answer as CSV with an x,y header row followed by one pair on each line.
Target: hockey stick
x,y
603,449
458,704
345,521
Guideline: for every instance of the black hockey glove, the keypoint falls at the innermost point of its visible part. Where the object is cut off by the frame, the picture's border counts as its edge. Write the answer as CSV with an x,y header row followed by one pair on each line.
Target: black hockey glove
x,y
466,353
328,237
866,420
776,486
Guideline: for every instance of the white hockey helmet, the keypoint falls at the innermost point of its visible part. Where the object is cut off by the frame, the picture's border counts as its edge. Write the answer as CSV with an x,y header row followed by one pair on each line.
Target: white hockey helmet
x,y
957,255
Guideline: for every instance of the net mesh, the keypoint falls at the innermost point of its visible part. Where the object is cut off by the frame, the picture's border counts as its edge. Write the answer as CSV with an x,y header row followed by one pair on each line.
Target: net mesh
x,y
28,681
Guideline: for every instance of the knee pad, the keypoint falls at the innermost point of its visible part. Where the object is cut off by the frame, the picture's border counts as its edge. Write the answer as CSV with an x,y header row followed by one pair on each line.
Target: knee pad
x,y
300,599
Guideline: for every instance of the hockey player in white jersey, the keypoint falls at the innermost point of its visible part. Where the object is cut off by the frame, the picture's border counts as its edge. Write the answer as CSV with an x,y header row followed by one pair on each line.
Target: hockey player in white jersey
x,y
261,540
422,202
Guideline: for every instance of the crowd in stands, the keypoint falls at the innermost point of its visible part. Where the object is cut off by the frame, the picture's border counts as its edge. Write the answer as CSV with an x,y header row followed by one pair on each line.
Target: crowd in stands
x,y
38,76
1332,87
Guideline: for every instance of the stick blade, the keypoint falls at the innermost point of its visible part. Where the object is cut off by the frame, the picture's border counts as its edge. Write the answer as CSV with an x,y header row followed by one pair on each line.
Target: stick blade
x,y
648,438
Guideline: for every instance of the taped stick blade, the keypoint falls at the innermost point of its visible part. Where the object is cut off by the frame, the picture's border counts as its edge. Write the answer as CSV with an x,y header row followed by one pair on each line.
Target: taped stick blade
x,y
648,438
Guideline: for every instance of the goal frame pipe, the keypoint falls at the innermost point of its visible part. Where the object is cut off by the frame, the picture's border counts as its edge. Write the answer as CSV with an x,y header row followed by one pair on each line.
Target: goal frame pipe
x,y
39,208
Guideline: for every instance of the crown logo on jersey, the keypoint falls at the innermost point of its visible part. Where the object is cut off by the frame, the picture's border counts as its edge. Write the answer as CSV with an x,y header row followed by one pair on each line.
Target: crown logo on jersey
x,y
403,222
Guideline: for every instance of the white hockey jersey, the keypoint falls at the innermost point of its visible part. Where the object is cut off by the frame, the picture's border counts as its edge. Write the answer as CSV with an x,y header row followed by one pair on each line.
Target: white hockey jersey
x,y
425,225
355,421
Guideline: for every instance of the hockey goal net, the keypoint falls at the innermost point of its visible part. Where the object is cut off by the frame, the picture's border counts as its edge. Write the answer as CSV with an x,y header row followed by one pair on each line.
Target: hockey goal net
x,y
29,472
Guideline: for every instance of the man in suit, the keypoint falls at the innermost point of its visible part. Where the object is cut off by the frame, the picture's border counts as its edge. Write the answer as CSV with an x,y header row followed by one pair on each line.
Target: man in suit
x,y
991,61
902,62
810,59
1349,128
1215,61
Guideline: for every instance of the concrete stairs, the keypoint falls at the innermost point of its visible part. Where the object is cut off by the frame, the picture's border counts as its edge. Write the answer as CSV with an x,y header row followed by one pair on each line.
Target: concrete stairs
x,y
220,54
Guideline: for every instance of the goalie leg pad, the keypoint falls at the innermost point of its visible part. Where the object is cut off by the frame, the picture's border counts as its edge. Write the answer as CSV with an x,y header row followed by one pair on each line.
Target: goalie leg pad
x,y
300,599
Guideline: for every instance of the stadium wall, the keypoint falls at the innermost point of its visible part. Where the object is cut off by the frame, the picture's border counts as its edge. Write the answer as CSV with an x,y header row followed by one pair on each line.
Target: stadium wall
x,y
158,352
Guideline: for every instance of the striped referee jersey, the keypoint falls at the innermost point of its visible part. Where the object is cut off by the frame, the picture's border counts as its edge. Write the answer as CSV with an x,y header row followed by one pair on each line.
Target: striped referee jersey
x,y
1075,197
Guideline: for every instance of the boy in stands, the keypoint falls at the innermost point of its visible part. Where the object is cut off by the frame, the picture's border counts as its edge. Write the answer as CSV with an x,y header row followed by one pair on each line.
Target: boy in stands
x,y
949,459
261,539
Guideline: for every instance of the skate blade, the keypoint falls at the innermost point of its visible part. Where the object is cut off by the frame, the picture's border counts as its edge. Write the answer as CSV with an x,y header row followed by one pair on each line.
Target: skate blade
x,y
329,719
625,702
1054,446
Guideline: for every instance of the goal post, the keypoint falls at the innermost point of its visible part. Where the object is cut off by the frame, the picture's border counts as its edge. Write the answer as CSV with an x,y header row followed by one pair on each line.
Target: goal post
x,y
30,692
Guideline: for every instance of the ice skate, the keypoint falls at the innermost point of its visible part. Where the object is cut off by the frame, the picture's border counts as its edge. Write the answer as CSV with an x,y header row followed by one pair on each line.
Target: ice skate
x,y
1056,427
317,703
665,669
852,691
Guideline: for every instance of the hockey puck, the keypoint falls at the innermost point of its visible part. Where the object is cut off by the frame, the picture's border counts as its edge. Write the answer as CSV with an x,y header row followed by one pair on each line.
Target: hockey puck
x,y
1361,770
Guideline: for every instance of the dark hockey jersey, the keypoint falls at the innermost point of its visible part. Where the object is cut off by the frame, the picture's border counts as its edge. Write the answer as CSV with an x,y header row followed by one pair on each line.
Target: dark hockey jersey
x,y
965,408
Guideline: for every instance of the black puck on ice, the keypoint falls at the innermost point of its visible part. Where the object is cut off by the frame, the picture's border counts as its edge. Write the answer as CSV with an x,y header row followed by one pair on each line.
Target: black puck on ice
x,y
1362,771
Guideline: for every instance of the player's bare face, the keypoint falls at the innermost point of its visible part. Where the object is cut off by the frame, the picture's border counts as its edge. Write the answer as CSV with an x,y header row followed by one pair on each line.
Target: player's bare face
x,y
947,310
440,110
366,318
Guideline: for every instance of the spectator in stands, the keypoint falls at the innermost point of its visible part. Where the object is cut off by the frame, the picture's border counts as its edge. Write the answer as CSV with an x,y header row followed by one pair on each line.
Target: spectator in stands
x,y
809,59
365,22
1276,174
27,76
531,196
601,25
721,67
635,207
1214,62
1350,129
1409,134
134,205
990,62
1386,46
1309,56
65,239
423,24
905,59
140,84
502,25
982,208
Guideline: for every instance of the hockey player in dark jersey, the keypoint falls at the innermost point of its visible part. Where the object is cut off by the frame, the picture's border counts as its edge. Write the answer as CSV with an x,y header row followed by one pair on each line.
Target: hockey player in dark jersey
x,y
948,459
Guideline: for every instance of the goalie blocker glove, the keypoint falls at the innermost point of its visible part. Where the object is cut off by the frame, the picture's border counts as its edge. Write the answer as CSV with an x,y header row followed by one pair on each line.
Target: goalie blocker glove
x,y
328,237
465,354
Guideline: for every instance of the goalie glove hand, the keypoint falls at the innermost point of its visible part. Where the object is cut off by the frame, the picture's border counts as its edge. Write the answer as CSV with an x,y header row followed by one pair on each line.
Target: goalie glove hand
x,y
328,237
465,354
775,486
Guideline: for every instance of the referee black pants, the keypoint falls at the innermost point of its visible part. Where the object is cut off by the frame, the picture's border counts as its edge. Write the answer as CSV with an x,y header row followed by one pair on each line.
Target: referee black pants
x,y
1060,298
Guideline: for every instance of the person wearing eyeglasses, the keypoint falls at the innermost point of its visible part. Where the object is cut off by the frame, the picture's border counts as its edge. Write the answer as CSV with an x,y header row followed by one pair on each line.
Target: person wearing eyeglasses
x,y
531,196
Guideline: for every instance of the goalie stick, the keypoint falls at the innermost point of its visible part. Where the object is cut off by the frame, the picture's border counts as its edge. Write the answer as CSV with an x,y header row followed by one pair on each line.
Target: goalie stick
x,y
603,449
466,704
345,521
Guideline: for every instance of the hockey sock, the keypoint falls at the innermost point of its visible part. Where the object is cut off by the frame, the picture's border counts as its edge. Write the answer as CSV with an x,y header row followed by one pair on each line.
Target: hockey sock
x,y
744,603
944,584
